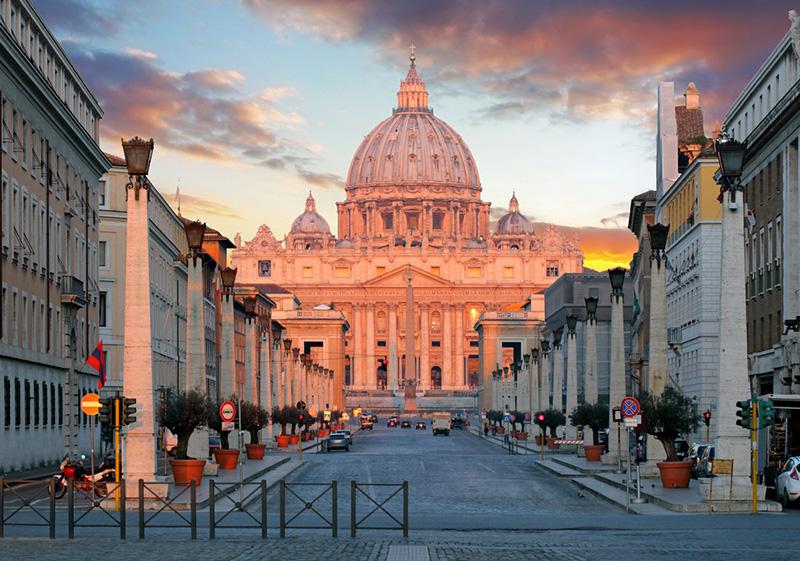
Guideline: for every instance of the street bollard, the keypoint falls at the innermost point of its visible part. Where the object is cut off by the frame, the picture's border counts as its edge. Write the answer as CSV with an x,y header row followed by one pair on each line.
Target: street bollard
x,y
212,517
193,497
283,508
141,509
334,509
52,489
263,509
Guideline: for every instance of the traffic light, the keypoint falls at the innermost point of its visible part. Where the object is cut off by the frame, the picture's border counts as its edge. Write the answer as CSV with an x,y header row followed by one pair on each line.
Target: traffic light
x,y
106,412
744,413
301,418
540,418
766,414
128,411
707,417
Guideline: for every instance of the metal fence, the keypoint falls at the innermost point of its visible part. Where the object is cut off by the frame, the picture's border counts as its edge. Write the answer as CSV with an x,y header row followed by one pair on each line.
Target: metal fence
x,y
309,505
236,500
42,488
360,490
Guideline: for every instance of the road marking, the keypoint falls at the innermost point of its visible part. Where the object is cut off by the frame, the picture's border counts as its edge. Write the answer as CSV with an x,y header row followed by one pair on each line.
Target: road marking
x,y
408,553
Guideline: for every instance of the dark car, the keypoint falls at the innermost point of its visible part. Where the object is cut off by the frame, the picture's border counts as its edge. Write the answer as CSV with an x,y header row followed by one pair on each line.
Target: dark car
x,y
405,425
373,417
338,440
421,425
695,453
681,448
391,422
458,423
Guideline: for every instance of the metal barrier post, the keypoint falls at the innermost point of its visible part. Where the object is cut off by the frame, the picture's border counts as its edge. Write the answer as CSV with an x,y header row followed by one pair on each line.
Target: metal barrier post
x,y
52,492
123,510
71,508
3,505
405,509
352,509
193,498
334,509
283,508
141,509
263,509
211,507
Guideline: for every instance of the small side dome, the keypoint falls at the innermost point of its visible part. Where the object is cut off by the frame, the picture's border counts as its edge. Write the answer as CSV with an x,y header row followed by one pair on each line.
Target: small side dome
x,y
513,222
310,222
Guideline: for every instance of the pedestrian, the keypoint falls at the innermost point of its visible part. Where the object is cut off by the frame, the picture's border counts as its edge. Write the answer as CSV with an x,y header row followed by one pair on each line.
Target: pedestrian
x,y
485,430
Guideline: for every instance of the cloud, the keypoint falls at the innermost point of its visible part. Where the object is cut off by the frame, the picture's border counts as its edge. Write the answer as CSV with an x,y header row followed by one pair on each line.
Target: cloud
x,y
192,205
330,181
571,60
615,220
138,53
78,16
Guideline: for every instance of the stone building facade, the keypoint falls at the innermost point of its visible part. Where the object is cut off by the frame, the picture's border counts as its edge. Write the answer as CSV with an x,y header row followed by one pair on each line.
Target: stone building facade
x,y
50,165
412,198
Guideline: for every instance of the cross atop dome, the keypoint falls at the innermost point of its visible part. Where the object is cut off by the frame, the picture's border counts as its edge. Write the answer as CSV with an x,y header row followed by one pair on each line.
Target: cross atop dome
x,y
412,95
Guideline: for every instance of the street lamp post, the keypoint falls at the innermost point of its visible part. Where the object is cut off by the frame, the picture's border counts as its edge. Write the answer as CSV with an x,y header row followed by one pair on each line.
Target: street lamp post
x,y
287,376
226,378
558,370
138,382
732,442
195,309
544,372
590,359
617,364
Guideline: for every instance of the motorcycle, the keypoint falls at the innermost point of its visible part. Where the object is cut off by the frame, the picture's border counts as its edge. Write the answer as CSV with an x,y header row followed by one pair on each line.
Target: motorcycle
x,y
79,472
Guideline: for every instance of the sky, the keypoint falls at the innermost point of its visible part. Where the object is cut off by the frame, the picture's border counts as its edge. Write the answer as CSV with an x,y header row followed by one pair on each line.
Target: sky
x,y
252,103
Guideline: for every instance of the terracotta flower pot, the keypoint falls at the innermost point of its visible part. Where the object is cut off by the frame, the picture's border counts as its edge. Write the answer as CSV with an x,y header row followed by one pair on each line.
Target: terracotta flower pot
x,y
521,435
226,459
186,471
255,451
538,439
322,433
593,452
293,439
282,440
675,475
551,442
501,430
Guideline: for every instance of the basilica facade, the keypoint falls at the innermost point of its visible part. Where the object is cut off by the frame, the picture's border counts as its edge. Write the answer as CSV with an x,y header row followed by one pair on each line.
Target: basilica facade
x,y
413,209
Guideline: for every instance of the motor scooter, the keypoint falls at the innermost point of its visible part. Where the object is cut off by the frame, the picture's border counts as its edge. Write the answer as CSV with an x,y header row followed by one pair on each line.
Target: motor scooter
x,y
79,472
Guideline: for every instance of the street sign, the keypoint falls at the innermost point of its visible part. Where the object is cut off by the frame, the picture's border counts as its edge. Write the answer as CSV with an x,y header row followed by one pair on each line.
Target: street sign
x,y
227,411
630,407
345,417
90,404
228,426
617,414
633,422
301,405
506,418
357,412
326,416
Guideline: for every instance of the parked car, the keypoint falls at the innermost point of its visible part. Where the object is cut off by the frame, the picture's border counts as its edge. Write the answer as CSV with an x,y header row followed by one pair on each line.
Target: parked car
x,y
681,448
214,443
695,452
392,422
405,424
458,423
787,483
366,422
338,440
421,425
706,462
347,433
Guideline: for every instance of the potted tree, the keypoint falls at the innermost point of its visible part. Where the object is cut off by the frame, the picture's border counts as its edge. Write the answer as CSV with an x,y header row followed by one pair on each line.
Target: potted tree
x,y
183,413
594,415
224,456
666,417
308,422
553,418
292,414
279,416
324,426
254,418
539,419
519,418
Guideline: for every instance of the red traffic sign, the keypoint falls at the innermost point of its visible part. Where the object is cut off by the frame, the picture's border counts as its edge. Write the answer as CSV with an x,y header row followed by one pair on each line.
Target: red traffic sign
x,y
90,404
630,407
227,411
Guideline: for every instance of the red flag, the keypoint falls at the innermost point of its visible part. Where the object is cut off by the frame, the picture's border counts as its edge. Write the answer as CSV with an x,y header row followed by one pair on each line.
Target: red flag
x,y
97,361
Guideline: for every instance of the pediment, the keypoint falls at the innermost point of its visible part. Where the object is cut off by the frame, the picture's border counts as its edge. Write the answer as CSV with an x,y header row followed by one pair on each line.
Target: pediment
x,y
398,277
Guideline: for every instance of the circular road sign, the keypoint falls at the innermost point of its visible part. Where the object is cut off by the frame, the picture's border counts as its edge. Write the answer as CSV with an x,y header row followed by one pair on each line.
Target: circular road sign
x,y
301,404
90,404
630,407
227,411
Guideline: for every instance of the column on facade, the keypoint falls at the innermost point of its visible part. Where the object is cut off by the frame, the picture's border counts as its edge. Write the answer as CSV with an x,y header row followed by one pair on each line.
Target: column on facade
x,y
267,366
358,359
533,386
658,366
459,354
545,372
392,374
616,390
733,442
138,381
572,382
590,370
226,378
371,377
195,328
285,389
425,346
447,347
294,375
252,370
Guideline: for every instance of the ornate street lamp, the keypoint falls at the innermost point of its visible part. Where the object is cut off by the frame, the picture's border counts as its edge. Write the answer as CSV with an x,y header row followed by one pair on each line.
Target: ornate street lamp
x,y
591,308
195,232
658,240
730,154
527,359
287,345
617,278
295,353
138,153
572,323
505,371
557,334
545,346
276,334
302,359
249,303
228,275
535,355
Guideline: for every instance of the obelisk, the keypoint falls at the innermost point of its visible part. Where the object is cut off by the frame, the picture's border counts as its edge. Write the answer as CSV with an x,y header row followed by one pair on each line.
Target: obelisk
x,y
411,359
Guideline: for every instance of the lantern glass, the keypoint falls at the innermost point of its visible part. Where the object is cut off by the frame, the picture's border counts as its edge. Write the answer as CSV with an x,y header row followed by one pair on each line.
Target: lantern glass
x,y
545,345
302,358
658,236
276,333
535,354
249,305
617,278
228,275
295,352
591,305
195,232
730,154
138,153
572,322
557,334
287,344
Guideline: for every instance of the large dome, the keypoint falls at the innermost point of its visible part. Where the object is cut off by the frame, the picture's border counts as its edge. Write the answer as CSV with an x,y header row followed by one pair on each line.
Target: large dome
x,y
413,147
310,222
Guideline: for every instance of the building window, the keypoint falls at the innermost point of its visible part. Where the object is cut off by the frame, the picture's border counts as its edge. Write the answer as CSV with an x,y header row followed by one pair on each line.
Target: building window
x,y
436,270
438,220
44,404
473,272
552,269
380,270
341,272
508,272
412,219
388,220
6,402
101,254
436,343
27,404
17,403
308,272
35,404
53,400
101,305
381,343
474,344
101,193
473,314
264,268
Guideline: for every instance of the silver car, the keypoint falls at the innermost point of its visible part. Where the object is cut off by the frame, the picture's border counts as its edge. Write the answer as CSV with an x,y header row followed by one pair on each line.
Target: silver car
x,y
787,483
338,440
